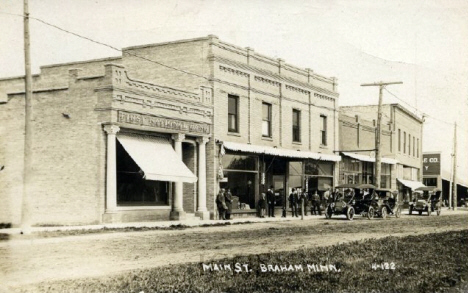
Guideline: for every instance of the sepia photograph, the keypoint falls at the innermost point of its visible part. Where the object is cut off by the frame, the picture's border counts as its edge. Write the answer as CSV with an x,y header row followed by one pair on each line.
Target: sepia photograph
x,y
234,146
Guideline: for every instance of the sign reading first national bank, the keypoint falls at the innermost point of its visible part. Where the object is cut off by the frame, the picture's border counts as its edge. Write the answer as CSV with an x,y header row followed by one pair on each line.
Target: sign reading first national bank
x,y
164,123
431,164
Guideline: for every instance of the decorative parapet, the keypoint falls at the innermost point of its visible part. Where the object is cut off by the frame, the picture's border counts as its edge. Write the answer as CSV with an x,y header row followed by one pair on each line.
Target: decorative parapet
x,y
233,71
118,77
323,97
268,81
296,89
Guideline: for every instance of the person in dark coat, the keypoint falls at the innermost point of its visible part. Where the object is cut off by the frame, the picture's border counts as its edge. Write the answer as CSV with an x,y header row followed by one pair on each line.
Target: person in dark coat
x,y
262,205
228,200
271,202
316,204
221,203
293,200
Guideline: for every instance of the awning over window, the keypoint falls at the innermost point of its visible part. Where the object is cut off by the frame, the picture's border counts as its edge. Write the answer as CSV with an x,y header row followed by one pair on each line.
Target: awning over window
x,y
156,158
411,184
365,158
257,149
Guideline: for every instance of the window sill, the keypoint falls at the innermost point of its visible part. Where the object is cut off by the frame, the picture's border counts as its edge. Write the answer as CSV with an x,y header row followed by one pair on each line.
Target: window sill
x,y
234,134
322,146
136,208
267,138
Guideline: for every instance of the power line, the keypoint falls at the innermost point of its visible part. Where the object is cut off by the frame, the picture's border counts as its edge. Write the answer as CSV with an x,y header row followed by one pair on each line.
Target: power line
x,y
107,45
417,110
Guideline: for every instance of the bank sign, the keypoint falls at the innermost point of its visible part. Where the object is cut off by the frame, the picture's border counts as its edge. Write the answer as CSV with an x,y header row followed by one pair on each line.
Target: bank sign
x,y
431,164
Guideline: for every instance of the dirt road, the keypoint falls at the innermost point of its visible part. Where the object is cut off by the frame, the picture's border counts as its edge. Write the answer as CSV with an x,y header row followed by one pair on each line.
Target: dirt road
x,y
27,261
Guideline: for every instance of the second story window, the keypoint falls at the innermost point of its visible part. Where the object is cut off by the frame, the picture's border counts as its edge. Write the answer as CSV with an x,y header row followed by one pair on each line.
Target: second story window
x,y
266,120
323,130
296,125
399,140
404,142
409,144
233,114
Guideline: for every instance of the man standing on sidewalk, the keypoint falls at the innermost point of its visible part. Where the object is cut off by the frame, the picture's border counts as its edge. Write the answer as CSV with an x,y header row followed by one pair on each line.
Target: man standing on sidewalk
x,y
271,202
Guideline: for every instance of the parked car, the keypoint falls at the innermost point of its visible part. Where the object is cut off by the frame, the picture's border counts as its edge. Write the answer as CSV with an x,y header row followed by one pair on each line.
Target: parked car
x,y
385,203
350,199
426,199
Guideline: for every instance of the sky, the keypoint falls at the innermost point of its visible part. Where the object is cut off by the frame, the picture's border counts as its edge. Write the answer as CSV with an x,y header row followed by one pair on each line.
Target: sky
x,y
422,43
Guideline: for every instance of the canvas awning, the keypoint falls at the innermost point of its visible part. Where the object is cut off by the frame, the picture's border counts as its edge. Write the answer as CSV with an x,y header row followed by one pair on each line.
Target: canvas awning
x,y
156,158
257,149
411,184
366,158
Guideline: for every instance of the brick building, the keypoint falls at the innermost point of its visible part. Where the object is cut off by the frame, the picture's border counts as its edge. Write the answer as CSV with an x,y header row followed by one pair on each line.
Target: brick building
x,y
401,141
126,139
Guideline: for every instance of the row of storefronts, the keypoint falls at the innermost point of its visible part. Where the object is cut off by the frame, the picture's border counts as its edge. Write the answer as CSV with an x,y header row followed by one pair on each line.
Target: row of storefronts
x,y
126,141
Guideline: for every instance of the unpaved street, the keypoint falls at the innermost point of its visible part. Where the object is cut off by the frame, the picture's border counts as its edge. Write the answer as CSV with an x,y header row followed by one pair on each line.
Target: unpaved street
x,y
27,261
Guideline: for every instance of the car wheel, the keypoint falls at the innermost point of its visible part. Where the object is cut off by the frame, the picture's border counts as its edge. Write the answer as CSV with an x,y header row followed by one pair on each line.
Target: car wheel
x,y
370,213
410,210
398,212
420,212
438,212
384,212
350,213
328,212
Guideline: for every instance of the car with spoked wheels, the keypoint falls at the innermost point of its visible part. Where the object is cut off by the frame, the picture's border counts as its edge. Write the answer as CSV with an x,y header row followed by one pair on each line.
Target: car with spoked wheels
x,y
384,203
350,199
426,199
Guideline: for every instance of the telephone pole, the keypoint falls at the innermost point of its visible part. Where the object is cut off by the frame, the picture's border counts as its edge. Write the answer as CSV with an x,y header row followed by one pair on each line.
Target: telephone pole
x,y
378,147
455,167
27,168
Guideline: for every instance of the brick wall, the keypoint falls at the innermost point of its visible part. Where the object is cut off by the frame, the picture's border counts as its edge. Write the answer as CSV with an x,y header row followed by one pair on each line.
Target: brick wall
x,y
65,154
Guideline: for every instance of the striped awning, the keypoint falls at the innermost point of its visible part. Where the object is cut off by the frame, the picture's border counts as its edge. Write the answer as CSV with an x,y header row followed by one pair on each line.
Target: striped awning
x,y
156,158
258,149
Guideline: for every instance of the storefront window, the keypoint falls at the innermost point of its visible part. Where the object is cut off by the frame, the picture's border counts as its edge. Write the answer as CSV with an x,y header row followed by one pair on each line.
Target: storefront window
x,y
385,177
133,189
350,171
295,175
241,173
238,162
430,181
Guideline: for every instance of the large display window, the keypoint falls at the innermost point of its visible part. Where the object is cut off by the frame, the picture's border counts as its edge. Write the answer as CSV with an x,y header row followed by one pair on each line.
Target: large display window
x,y
241,177
133,189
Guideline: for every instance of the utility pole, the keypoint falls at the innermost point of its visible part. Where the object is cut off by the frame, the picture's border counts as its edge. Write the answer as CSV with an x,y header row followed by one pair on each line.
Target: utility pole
x,y
26,209
378,147
455,167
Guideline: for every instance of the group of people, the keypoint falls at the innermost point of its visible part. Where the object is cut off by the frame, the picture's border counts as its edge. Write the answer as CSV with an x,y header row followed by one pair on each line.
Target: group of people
x,y
224,203
296,197
267,200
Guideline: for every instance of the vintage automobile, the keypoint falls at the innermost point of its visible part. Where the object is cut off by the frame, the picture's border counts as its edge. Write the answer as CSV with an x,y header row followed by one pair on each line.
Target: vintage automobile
x,y
384,203
426,199
350,199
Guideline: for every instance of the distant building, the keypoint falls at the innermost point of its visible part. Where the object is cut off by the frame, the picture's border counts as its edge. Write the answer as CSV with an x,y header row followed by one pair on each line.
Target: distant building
x,y
435,175
125,139
401,141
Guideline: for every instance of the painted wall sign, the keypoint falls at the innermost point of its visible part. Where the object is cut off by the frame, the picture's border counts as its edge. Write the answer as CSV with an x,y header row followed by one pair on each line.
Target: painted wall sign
x,y
165,123
431,164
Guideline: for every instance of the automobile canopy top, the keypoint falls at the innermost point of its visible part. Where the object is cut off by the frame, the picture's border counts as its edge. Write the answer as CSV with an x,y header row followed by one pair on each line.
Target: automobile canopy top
x,y
356,186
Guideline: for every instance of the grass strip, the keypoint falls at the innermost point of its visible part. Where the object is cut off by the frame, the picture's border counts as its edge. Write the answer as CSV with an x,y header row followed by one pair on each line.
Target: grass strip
x,y
423,263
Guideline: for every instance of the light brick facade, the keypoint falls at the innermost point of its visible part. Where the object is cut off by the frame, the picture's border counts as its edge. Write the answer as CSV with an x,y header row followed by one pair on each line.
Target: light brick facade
x,y
401,137
73,102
